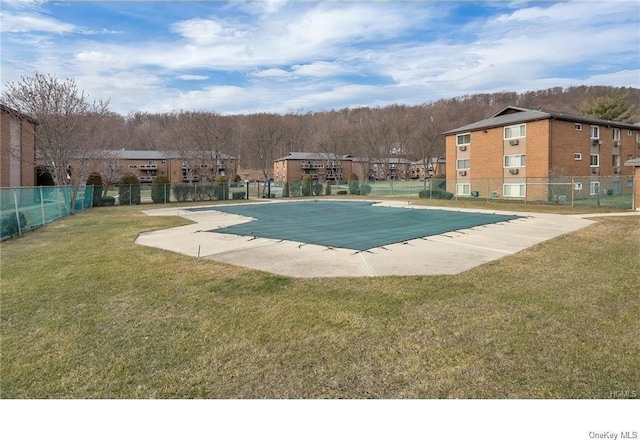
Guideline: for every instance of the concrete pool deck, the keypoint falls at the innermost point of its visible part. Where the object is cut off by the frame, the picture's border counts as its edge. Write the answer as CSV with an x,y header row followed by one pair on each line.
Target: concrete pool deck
x,y
445,254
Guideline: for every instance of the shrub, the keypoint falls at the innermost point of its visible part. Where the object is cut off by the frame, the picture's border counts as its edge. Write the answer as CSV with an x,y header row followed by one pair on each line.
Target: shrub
x,y
365,189
9,224
221,189
129,190
239,195
435,194
160,191
342,192
306,185
108,201
317,188
95,180
204,191
182,191
295,188
285,189
354,186
327,189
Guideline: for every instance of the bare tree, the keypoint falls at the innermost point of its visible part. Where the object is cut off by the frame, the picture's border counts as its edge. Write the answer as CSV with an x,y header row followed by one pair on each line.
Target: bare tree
x,y
72,129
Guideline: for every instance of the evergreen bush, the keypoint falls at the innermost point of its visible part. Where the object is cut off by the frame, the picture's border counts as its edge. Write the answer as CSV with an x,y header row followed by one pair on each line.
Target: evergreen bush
x,y
221,188
239,195
95,180
295,188
108,201
354,185
160,190
306,185
327,189
129,190
435,194
365,189
317,188
285,189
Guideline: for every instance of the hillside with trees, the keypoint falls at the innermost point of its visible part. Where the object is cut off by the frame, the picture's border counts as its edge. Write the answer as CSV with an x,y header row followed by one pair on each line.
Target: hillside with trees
x,y
412,132
377,132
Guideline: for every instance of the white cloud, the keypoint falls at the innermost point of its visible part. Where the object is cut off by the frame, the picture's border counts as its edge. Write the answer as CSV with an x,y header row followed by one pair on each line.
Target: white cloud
x,y
193,77
299,55
24,23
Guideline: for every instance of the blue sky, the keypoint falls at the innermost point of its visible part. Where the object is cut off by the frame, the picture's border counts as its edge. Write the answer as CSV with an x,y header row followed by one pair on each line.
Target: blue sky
x,y
298,56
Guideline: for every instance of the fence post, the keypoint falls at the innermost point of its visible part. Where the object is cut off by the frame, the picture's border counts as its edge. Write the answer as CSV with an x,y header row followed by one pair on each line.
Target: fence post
x,y
58,199
247,183
573,190
15,205
44,219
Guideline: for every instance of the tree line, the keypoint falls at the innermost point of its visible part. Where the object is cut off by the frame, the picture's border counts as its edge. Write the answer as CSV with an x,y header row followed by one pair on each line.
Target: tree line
x,y
74,127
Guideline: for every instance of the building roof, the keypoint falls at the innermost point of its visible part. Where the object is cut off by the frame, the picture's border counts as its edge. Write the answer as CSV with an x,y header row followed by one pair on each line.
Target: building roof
x,y
146,155
18,114
514,115
299,155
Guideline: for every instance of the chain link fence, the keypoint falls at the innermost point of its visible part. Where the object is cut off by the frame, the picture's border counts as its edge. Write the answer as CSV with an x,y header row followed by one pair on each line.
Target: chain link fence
x,y
25,208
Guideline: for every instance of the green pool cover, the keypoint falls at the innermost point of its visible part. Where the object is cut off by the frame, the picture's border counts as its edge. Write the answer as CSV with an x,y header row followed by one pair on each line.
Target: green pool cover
x,y
352,225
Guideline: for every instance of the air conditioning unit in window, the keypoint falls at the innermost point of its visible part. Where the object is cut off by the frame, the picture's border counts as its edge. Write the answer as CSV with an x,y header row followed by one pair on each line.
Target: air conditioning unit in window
x,y
595,170
616,170
494,193
462,148
462,173
514,171
596,142
514,142
616,143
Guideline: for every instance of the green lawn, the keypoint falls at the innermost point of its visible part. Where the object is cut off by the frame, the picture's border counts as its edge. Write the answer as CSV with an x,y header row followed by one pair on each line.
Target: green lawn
x,y
86,313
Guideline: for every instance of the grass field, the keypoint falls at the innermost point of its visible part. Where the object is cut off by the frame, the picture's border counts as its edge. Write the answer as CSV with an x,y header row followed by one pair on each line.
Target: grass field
x,y
86,313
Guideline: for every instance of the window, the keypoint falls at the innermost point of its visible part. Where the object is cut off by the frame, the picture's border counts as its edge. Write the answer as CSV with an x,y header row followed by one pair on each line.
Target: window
x,y
515,131
629,132
630,183
616,134
615,160
629,156
577,156
514,189
595,160
463,189
595,132
463,164
516,160
463,139
594,188
578,127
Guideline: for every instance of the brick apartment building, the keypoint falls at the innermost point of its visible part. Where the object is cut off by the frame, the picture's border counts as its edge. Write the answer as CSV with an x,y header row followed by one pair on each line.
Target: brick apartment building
x,y
146,165
517,146
18,148
323,167
320,166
